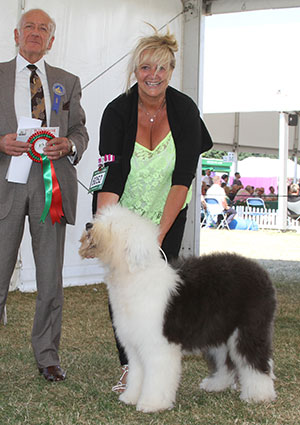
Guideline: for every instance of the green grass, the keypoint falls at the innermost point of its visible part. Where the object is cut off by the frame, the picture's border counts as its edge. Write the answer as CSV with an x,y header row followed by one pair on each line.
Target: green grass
x,y
89,355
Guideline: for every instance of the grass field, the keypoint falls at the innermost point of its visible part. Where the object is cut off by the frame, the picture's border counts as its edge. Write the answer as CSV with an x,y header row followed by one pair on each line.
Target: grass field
x,y
89,355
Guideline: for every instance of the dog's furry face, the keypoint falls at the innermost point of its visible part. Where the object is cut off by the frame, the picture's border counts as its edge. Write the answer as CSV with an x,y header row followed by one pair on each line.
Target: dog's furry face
x,y
119,237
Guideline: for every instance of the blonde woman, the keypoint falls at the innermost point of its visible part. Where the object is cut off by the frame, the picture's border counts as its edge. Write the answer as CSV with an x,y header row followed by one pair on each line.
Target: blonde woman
x,y
156,135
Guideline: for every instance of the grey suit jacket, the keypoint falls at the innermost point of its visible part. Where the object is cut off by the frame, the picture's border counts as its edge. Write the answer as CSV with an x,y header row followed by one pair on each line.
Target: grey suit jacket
x,y
71,122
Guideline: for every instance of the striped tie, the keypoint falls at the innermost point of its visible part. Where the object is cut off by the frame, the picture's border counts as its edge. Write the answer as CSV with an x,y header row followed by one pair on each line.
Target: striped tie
x,y
38,110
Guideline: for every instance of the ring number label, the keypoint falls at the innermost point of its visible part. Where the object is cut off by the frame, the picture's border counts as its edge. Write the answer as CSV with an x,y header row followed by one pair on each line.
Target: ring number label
x,y
98,179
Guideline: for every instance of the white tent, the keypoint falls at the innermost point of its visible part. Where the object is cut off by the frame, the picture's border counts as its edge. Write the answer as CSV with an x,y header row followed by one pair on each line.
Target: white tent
x,y
92,39
264,167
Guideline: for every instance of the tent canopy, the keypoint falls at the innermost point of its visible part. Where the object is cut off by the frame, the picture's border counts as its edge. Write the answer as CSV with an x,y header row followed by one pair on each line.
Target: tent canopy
x,y
255,132
230,6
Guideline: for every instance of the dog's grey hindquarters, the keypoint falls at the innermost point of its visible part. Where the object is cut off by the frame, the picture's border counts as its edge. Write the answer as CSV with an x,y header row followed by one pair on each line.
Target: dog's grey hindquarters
x,y
225,305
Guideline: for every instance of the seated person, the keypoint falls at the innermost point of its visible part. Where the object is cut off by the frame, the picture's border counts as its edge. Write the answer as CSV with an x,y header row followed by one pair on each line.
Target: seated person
x,y
293,202
258,192
203,208
227,191
271,196
233,191
293,192
217,192
243,194
204,188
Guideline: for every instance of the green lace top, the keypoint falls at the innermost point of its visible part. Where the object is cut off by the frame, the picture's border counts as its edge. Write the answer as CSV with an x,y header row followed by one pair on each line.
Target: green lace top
x,y
150,179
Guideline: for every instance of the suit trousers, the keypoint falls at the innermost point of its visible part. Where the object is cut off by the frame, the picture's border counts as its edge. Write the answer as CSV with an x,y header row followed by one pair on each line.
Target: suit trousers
x,y
48,251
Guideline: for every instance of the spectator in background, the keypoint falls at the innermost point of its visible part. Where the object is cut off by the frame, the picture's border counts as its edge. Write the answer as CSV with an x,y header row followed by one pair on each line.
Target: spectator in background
x,y
237,180
293,201
293,192
243,194
233,190
204,188
272,196
259,192
207,179
225,179
227,190
216,191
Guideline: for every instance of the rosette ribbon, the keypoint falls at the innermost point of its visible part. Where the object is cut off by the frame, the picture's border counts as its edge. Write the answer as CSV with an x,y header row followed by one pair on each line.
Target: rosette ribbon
x,y
53,199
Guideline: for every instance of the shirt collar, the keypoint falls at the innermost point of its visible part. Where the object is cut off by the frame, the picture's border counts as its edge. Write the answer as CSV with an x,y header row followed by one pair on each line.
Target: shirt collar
x,y
22,64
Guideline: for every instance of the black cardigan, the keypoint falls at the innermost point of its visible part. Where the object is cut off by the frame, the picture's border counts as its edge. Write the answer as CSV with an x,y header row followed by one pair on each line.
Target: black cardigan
x,y
118,135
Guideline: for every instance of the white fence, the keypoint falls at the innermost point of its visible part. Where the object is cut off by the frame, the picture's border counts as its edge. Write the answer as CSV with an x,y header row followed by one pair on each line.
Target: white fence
x,y
265,218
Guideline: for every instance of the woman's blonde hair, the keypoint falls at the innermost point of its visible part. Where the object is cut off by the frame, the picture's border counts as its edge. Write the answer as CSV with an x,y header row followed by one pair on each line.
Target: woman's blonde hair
x,y
161,49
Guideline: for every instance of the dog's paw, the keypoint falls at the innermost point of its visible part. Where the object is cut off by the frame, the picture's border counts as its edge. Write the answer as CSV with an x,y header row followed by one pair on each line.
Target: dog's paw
x,y
258,389
148,407
129,397
220,383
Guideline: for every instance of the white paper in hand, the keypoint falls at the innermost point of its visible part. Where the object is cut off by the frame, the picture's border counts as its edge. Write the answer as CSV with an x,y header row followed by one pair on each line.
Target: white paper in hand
x,y
19,167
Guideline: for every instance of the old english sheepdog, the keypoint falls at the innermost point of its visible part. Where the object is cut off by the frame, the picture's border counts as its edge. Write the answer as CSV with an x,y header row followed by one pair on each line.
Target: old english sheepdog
x,y
222,305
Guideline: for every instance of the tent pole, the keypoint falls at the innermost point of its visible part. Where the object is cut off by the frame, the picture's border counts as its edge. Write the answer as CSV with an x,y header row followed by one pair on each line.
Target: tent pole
x,y
192,85
295,148
236,139
295,168
282,180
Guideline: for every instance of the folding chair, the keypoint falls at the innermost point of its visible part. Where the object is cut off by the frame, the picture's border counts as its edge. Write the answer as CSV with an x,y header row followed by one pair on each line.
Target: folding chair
x,y
259,204
255,203
214,210
294,210
203,217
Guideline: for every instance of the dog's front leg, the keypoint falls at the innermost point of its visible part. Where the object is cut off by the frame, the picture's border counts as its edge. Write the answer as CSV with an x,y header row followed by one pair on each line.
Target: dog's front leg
x,y
134,378
161,379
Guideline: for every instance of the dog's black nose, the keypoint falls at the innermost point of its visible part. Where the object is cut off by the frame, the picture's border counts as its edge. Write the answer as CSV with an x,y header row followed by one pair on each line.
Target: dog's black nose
x,y
88,226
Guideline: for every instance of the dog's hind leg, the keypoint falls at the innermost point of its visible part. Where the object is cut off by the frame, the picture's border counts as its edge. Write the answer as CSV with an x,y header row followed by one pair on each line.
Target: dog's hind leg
x,y
254,367
223,375
161,379
134,378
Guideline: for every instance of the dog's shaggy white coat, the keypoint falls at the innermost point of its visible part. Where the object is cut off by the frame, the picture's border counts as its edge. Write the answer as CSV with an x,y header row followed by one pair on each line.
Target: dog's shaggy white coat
x,y
157,314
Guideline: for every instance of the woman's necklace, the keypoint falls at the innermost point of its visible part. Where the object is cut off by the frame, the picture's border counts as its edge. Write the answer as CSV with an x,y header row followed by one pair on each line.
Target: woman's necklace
x,y
152,117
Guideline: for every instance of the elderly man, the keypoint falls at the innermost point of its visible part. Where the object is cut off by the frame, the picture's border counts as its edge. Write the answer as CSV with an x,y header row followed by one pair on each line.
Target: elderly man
x,y
31,88
216,191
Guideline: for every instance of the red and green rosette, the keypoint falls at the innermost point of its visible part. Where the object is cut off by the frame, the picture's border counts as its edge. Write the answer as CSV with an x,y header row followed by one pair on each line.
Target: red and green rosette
x,y
53,199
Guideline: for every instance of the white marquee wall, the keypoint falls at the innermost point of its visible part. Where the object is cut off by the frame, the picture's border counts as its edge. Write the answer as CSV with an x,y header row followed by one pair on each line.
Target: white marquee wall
x,y
90,37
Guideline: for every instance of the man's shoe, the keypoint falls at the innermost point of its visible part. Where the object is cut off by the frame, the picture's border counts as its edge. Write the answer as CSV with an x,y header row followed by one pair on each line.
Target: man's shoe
x,y
53,373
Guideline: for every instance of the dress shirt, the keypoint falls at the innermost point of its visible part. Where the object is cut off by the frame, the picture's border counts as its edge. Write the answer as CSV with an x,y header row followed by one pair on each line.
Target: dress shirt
x,y
22,88
216,191
23,93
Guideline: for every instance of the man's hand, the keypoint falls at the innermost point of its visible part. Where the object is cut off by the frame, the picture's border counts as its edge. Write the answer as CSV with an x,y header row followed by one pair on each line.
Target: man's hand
x,y
57,148
10,146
